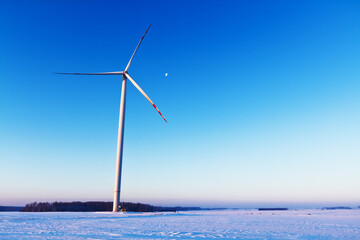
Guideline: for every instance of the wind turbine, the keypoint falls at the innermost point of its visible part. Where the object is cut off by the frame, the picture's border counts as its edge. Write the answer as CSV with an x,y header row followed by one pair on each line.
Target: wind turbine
x,y
125,76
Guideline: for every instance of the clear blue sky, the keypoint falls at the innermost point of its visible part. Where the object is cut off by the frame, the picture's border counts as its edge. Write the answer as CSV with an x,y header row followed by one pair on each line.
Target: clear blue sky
x,y
262,102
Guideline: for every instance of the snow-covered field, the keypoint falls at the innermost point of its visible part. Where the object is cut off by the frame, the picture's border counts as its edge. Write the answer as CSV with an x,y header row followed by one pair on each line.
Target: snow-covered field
x,y
227,224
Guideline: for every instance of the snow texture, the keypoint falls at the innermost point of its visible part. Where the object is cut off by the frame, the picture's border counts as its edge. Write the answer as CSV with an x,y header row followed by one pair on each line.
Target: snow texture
x,y
227,224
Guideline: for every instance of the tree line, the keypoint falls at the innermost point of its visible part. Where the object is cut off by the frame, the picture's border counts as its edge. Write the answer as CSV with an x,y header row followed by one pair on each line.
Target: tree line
x,y
78,206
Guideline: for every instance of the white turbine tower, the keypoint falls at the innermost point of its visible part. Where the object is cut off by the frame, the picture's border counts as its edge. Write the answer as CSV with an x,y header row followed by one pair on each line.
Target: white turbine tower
x,y
125,76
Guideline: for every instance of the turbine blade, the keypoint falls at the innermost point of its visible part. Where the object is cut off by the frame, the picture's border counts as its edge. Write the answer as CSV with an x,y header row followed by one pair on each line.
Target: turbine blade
x,y
104,73
127,67
143,93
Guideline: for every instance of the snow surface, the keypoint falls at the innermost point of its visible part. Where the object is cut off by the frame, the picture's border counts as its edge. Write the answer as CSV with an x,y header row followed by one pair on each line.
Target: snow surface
x,y
227,224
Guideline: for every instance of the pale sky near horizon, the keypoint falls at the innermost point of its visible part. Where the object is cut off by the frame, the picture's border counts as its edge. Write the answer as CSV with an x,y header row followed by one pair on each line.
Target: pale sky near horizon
x,y
262,102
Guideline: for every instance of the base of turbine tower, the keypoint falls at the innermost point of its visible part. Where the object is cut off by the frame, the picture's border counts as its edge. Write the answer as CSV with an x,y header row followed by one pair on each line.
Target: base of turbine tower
x,y
118,209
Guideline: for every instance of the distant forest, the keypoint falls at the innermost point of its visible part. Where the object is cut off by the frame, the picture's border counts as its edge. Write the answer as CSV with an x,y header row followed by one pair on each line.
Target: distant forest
x,y
10,209
98,207
86,207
